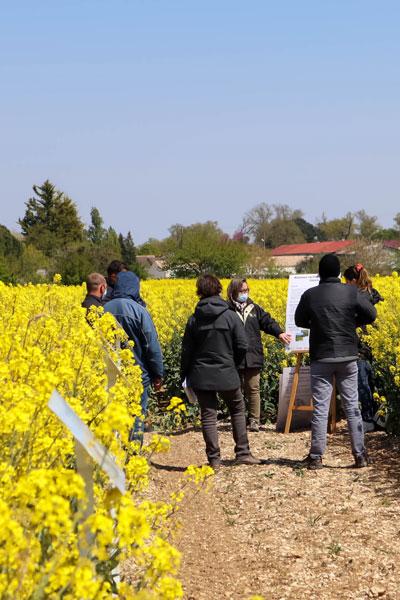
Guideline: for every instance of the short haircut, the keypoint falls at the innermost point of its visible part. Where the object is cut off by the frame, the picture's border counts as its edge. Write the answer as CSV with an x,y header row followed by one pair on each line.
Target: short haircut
x,y
234,288
329,266
208,285
94,281
116,266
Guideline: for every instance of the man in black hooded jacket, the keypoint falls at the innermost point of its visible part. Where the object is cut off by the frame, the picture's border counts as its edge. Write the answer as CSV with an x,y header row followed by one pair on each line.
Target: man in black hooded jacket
x,y
214,344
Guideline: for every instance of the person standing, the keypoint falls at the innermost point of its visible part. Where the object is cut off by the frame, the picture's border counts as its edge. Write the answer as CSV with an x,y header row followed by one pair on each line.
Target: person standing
x,y
214,343
114,268
332,311
358,275
96,287
255,320
139,327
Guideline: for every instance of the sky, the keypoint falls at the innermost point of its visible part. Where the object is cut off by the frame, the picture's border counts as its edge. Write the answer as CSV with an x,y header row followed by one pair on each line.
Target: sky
x,y
183,111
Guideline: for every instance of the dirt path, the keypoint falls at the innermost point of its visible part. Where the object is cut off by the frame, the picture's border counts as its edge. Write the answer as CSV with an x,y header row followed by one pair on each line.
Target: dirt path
x,y
287,533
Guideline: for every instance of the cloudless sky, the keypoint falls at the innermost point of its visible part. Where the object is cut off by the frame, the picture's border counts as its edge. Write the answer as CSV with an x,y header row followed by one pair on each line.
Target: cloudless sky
x,y
179,111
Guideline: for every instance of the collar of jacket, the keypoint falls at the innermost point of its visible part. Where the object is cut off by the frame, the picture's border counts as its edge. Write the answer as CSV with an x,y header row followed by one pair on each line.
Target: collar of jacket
x,y
330,280
246,312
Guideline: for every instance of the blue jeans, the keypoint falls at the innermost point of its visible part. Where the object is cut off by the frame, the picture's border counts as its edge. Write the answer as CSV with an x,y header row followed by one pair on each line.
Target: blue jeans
x,y
136,433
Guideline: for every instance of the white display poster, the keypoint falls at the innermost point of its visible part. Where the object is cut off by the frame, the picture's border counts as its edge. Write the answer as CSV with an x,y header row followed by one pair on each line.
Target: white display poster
x,y
298,284
301,419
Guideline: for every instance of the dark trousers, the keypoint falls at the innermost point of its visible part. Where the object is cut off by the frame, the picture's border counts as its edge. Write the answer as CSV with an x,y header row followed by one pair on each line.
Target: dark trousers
x,y
208,408
365,387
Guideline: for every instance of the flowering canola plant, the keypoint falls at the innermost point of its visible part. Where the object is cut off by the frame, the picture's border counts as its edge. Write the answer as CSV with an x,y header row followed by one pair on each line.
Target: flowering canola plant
x,y
52,545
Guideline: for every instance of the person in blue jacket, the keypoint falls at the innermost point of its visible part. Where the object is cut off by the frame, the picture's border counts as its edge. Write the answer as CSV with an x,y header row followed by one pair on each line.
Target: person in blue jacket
x,y
114,268
139,327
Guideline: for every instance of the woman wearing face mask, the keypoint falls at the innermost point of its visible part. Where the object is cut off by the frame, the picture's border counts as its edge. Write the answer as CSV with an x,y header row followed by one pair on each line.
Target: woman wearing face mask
x,y
358,275
255,320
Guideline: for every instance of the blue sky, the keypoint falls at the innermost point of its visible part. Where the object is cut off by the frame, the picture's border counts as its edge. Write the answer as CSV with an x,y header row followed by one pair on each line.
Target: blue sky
x,y
162,112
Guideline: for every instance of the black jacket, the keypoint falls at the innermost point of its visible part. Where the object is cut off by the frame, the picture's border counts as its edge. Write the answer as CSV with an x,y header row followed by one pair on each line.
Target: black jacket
x,y
213,344
332,311
255,319
91,300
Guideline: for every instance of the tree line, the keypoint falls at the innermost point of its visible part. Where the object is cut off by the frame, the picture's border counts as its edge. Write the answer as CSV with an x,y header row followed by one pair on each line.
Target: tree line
x,y
54,239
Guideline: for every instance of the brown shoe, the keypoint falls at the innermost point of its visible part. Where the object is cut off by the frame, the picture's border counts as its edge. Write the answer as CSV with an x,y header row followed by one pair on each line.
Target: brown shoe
x,y
248,459
254,425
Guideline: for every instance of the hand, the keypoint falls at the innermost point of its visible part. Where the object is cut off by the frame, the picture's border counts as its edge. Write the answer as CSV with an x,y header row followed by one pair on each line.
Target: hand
x,y
157,382
285,338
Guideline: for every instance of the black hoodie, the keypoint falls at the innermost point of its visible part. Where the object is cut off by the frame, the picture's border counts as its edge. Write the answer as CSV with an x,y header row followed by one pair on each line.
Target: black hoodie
x,y
213,345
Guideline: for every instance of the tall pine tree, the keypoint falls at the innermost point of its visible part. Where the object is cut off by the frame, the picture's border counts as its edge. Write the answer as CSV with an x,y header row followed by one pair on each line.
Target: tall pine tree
x,y
51,222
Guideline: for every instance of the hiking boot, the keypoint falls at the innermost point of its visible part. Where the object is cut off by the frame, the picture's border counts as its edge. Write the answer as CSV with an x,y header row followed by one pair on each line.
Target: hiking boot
x,y
313,464
254,425
248,459
215,463
362,460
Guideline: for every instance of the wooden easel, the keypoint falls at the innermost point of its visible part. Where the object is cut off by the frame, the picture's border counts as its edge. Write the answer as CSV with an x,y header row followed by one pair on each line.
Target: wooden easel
x,y
308,407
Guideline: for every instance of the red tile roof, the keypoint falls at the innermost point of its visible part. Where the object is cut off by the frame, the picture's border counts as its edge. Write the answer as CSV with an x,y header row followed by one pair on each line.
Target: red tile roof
x,y
312,248
392,244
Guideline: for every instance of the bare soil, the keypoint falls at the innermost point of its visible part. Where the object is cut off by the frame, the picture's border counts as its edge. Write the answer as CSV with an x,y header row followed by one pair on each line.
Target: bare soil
x,y
282,531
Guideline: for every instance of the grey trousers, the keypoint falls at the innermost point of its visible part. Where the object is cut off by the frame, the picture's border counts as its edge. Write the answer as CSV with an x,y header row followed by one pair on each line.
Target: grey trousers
x,y
208,407
346,374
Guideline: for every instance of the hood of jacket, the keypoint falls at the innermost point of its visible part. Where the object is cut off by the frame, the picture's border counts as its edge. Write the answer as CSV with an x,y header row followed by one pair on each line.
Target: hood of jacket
x,y
209,309
127,286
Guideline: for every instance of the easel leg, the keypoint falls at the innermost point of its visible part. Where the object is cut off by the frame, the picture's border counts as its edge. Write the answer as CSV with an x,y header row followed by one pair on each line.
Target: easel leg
x,y
293,393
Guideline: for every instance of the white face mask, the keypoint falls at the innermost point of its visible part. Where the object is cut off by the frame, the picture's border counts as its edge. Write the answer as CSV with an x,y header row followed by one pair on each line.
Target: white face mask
x,y
104,294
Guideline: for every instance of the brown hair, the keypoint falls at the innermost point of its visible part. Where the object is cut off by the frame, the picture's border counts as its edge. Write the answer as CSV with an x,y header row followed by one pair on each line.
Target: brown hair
x,y
234,288
208,285
94,281
360,274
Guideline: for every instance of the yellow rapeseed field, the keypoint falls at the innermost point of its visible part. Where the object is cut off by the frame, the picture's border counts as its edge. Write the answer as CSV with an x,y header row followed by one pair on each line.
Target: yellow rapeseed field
x,y
46,344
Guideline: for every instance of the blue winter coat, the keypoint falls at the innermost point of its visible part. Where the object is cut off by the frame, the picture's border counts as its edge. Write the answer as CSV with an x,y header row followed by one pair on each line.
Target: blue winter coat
x,y
138,325
134,288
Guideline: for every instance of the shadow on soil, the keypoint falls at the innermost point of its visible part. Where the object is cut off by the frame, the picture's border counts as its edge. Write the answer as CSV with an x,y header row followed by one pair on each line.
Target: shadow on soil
x,y
384,473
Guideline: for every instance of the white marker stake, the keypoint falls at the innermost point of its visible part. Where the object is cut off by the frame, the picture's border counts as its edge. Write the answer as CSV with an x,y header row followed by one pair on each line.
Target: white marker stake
x,y
85,437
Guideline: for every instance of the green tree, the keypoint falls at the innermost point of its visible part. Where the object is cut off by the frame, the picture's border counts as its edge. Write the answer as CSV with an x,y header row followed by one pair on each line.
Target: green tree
x,y
33,265
51,221
152,247
201,248
273,225
396,220
128,249
96,231
10,246
338,229
367,226
309,231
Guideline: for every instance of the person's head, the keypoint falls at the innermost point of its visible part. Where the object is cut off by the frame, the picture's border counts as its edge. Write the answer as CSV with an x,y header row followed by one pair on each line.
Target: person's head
x,y
329,266
96,285
358,275
238,290
115,267
207,286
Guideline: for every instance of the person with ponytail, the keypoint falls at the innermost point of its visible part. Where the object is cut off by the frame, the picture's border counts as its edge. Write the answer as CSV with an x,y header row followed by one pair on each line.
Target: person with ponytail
x,y
358,275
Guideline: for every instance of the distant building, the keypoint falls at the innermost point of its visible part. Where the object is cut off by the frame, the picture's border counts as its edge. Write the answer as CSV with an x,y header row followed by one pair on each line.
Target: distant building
x,y
155,266
289,256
